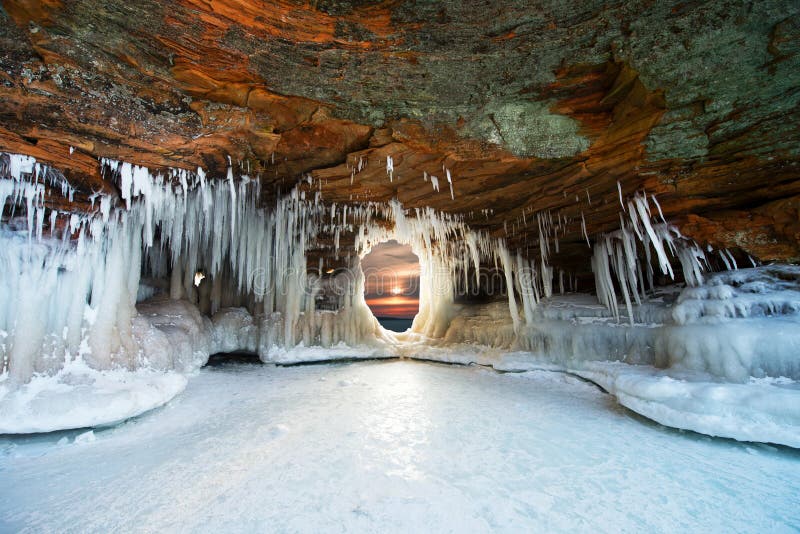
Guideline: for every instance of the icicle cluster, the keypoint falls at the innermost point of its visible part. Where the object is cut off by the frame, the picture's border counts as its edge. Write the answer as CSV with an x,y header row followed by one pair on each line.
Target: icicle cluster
x,y
74,294
450,252
23,181
68,295
616,256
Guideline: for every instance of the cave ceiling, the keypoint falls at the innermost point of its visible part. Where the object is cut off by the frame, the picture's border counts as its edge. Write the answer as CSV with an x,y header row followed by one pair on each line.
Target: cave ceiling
x,y
533,107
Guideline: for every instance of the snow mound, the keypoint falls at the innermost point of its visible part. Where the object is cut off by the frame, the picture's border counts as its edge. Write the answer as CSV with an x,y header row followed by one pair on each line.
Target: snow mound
x,y
763,410
721,359
78,397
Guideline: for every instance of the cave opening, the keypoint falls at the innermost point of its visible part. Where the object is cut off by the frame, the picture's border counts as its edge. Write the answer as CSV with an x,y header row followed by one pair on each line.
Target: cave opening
x,y
391,284
239,357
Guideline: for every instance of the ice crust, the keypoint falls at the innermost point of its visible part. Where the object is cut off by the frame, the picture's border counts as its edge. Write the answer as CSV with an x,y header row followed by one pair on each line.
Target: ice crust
x,y
393,447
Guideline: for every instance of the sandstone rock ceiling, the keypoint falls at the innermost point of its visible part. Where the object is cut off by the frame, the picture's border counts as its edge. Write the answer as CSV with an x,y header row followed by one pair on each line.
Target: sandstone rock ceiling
x,y
532,106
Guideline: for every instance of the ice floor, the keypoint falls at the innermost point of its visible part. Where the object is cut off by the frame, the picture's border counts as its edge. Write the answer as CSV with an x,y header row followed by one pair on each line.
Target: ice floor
x,y
392,446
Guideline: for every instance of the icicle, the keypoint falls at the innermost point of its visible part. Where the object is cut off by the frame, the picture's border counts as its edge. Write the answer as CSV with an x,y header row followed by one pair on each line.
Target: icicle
x,y
126,183
725,260
390,167
660,213
733,260
53,217
233,202
105,207
583,229
450,181
634,221
505,261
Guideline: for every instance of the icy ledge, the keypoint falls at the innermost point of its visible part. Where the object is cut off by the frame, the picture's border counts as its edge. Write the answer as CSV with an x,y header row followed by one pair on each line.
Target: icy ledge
x,y
763,410
78,397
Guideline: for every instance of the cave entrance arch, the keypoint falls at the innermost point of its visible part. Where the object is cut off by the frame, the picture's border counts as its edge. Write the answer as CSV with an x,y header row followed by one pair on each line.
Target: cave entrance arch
x,y
391,284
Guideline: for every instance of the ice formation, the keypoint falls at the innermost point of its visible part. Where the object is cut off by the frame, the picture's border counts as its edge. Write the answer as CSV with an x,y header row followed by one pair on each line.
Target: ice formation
x,y
616,256
390,168
172,226
79,396
179,267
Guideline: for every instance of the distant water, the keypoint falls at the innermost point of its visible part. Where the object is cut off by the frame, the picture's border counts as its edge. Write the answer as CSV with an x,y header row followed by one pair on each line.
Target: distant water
x,y
394,324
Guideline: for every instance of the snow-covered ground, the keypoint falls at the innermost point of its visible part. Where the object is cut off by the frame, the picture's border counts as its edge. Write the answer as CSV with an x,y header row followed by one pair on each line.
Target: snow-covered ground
x,y
392,446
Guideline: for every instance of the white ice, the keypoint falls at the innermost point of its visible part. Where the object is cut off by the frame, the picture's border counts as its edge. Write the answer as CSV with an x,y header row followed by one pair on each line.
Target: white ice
x,y
393,447
78,396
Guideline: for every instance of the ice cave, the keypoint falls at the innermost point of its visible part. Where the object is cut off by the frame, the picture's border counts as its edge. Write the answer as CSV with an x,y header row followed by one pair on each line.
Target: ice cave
x,y
395,265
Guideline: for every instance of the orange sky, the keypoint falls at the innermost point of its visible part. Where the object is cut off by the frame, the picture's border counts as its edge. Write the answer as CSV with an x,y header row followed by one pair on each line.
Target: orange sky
x,y
399,306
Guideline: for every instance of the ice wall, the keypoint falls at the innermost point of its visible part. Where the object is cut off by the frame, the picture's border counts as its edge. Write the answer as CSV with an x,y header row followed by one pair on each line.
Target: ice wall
x,y
177,223
89,270
738,325
71,292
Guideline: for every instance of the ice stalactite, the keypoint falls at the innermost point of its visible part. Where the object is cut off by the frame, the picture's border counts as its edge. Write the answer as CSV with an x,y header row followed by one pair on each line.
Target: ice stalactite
x,y
435,183
616,256
450,183
25,186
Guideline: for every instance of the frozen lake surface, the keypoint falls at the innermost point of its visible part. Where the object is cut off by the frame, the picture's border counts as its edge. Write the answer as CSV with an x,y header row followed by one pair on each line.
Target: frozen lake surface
x,y
392,446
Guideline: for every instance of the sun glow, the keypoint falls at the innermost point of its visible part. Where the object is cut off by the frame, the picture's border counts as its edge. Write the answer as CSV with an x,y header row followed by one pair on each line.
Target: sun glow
x,y
391,280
